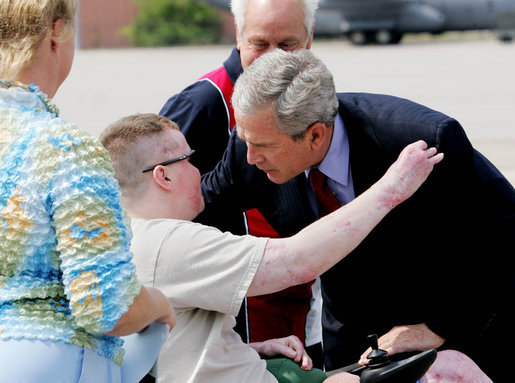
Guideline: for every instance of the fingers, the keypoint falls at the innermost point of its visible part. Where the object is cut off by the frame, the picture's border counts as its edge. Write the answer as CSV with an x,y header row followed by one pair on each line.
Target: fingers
x,y
306,362
363,358
418,153
437,158
422,145
422,157
430,152
290,347
385,346
433,155
296,345
171,322
301,356
283,349
386,342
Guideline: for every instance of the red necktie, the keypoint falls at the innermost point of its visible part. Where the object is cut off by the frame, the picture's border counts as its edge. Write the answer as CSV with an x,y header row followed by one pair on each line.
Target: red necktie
x,y
326,200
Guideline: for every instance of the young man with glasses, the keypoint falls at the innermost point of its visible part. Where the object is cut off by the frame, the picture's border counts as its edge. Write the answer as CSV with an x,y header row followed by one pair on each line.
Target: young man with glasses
x,y
206,273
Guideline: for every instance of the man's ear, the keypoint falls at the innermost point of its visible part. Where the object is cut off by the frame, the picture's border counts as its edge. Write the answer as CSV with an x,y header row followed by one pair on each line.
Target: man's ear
x,y
317,135
238,41
311,34
159,175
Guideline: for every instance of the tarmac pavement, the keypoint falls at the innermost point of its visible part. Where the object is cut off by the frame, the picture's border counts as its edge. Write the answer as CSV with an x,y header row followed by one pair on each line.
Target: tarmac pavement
x,y
472,80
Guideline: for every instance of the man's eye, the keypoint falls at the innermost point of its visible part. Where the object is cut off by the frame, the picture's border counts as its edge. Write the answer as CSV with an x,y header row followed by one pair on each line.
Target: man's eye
x,y
288,46
259,45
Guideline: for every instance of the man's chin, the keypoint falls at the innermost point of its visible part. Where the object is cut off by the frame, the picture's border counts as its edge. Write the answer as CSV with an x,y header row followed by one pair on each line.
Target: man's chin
x,y
202,206
276,178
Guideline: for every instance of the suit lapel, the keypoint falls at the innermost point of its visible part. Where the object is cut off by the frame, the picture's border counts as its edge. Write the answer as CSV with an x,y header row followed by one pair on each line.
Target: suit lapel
x,y
365,148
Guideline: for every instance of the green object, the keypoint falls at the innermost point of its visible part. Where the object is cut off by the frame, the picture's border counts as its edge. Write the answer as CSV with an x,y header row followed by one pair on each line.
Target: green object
x,y
174,22
287,371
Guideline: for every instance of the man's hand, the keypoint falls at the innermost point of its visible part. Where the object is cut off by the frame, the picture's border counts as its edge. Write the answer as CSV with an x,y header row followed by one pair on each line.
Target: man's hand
x,y
409,171
405,339
291,347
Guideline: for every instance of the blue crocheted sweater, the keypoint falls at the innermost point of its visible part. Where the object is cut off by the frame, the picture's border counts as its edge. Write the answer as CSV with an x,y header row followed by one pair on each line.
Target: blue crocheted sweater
x,y
65,267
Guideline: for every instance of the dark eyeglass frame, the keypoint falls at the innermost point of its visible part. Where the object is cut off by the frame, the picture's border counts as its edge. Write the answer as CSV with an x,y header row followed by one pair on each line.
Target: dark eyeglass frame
x,y
183,157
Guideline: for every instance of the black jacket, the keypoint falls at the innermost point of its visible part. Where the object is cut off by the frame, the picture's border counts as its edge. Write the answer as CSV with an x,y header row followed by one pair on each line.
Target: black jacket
x,y
445,257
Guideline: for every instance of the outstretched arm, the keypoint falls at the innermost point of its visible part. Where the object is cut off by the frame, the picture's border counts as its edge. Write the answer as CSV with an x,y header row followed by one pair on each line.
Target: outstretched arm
x,y
318,247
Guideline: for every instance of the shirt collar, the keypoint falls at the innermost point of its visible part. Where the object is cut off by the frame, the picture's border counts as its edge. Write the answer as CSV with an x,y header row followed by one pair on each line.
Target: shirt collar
x,y
21,96
335,164
233,65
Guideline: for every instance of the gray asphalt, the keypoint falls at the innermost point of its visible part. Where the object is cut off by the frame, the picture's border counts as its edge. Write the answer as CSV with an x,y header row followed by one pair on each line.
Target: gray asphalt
x,y
472,80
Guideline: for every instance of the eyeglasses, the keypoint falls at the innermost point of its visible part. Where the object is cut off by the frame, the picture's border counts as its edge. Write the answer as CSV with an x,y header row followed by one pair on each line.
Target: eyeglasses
x,y
183,157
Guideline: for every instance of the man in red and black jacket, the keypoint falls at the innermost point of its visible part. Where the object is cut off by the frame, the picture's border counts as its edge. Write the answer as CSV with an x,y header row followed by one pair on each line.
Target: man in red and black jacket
x,y
204,114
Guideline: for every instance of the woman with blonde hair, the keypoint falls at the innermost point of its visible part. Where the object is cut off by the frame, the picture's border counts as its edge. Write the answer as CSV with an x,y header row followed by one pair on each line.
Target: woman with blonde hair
x,y
68,288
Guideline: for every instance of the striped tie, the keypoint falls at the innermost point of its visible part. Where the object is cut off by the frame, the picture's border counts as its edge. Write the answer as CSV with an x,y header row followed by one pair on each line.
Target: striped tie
x,y
326,200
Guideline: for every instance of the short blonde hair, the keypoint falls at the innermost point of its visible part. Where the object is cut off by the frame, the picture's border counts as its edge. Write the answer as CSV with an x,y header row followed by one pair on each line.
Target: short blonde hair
x,y
119,137
23,26
128,144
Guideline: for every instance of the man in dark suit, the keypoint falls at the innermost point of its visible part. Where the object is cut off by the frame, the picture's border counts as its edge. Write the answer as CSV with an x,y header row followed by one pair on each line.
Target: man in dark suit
x,y
439,272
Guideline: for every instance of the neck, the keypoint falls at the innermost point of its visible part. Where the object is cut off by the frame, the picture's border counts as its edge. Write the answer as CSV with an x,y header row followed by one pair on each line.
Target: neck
x,y
156,213
43,71
147,210
31,76
152,207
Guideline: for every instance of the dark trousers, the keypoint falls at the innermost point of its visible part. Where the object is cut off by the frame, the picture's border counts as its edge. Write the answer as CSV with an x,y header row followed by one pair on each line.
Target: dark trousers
x,y
316,354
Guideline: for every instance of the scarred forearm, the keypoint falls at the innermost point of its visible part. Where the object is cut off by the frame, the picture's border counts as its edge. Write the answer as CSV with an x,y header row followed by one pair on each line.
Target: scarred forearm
x,y
315,249
318,247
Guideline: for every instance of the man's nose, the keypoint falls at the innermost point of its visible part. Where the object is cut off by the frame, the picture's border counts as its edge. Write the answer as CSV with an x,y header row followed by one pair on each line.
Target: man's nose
x,y
252,154
271,47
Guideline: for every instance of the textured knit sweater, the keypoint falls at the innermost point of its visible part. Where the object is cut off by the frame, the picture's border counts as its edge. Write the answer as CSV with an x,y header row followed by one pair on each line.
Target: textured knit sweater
x,y
65,267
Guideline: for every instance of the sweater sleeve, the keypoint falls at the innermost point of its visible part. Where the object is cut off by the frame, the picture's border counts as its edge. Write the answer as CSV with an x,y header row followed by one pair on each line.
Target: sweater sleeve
x,y
92,231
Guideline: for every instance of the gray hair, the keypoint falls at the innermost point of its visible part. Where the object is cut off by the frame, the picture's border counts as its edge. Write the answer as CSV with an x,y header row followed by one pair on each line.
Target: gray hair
x,y
296,85
239,10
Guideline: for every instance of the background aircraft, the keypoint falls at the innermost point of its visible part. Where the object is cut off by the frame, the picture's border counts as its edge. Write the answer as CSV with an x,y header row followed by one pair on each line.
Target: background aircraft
x,y
386,21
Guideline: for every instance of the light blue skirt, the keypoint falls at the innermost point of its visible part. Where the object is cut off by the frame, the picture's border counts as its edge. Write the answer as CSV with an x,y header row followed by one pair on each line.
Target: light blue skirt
x,y
27,361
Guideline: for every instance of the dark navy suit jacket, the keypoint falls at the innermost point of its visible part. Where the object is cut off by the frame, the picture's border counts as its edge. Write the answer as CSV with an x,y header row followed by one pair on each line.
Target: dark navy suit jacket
x,y
445,257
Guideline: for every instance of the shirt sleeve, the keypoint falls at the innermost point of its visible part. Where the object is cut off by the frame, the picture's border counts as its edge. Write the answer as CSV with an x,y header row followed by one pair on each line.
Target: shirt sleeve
x,y
200,267
92,231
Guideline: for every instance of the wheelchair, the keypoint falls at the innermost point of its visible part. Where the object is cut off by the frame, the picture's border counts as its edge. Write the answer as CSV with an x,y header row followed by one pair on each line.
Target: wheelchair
x,y
398,368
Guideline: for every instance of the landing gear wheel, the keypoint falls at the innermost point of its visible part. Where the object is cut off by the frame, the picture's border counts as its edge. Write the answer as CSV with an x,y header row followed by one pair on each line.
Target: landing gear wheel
x,y
385,36
358,38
